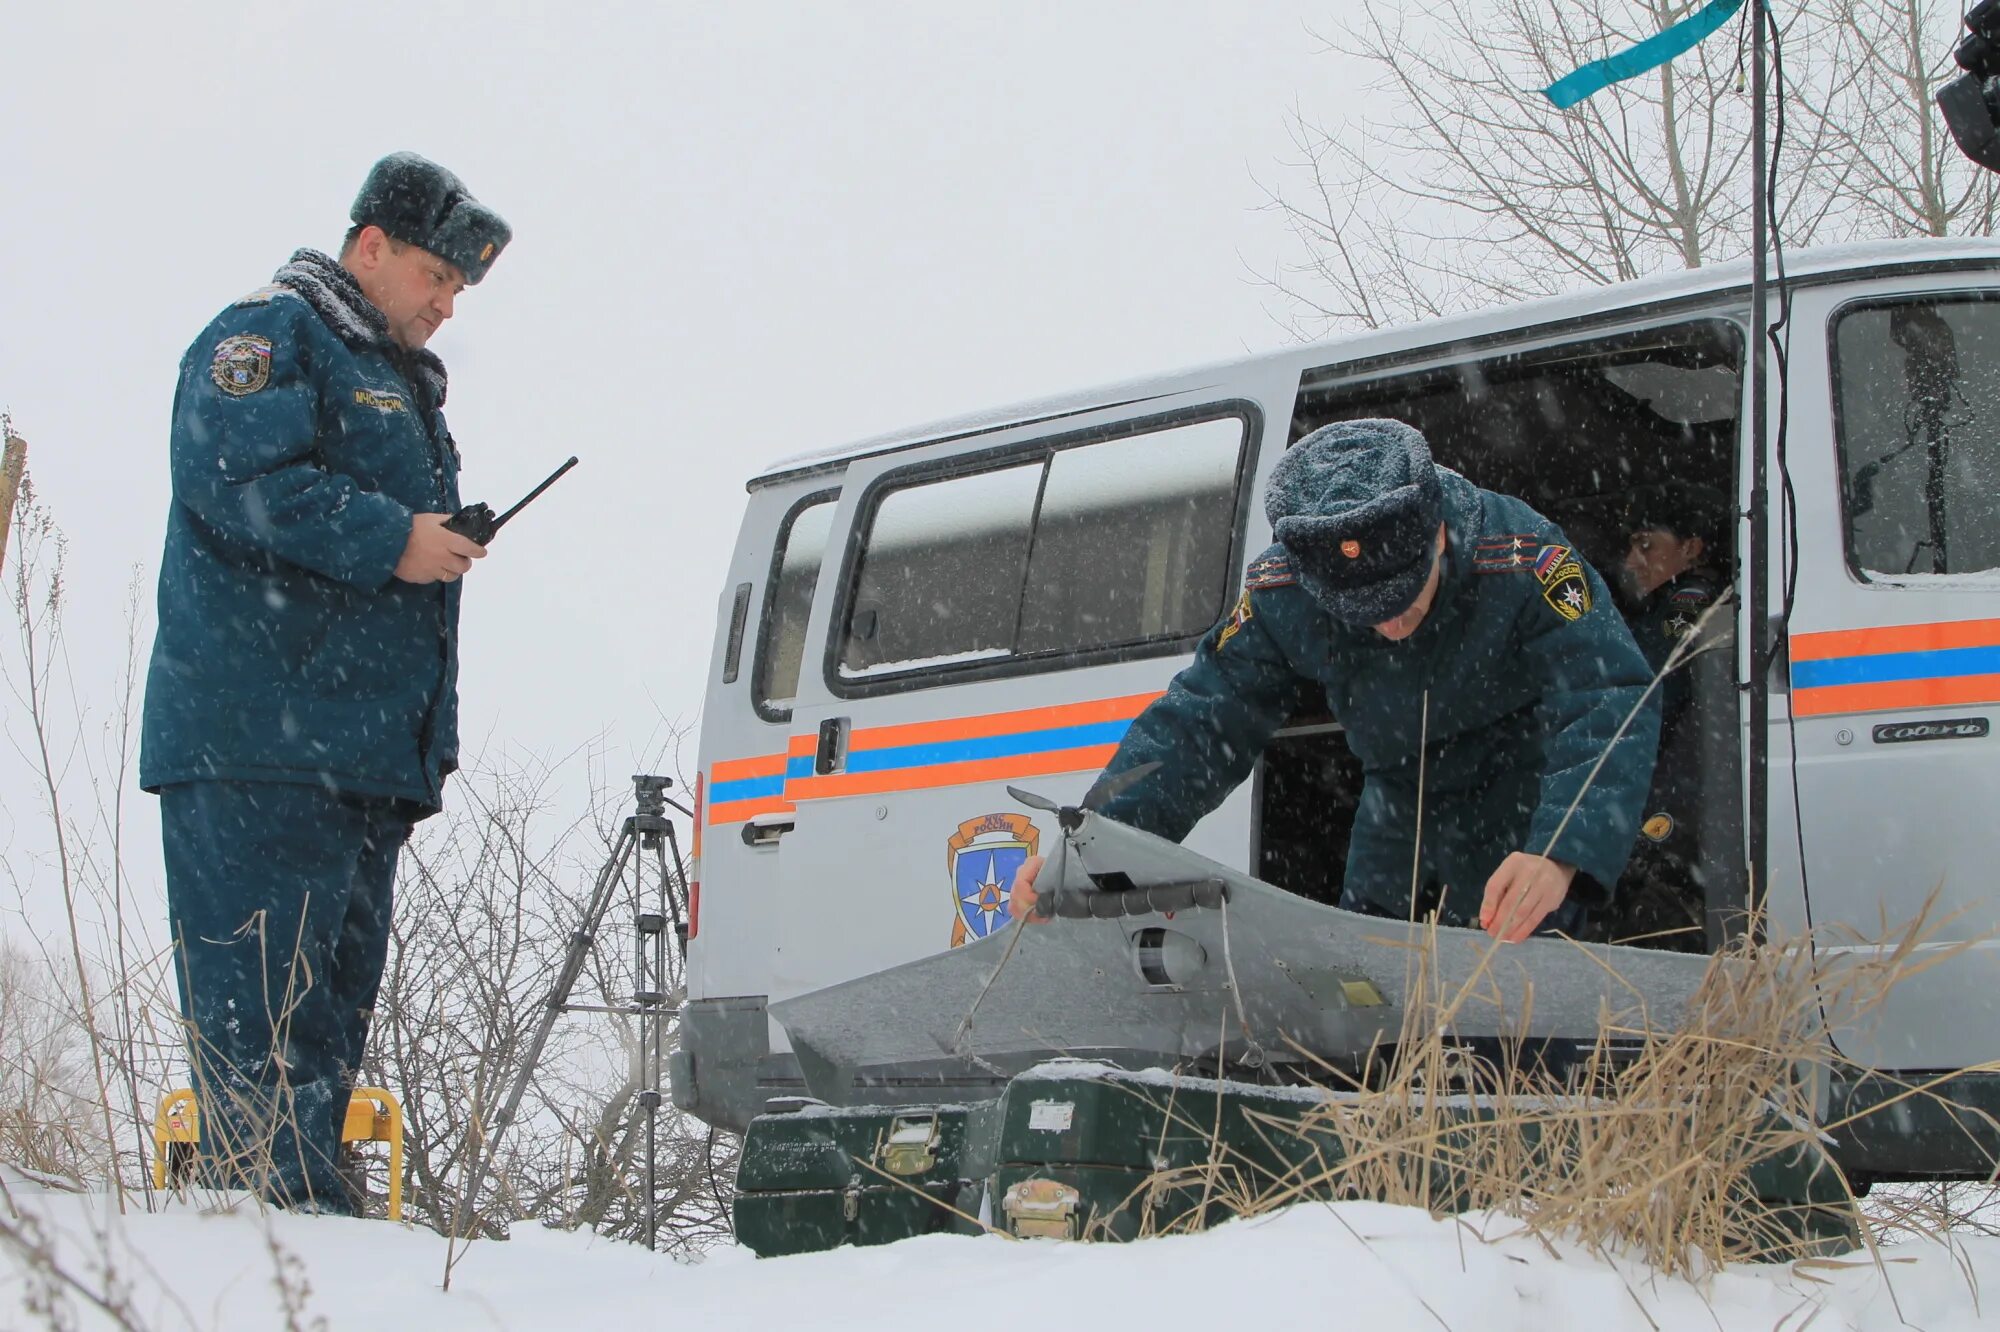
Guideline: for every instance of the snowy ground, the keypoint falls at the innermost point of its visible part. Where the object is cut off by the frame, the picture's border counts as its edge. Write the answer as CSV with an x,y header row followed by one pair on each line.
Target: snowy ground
x,y
1362,1266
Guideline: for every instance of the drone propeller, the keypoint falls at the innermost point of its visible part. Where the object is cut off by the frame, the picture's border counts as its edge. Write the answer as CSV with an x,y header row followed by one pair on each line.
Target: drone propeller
x,y
1108,788
1033,801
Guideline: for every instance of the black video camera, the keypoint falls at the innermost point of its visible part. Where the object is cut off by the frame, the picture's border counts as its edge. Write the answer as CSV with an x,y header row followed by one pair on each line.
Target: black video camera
x,y
1971,102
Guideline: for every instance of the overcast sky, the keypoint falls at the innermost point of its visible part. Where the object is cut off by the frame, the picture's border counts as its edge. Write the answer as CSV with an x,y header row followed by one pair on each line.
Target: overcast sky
x,y
741,231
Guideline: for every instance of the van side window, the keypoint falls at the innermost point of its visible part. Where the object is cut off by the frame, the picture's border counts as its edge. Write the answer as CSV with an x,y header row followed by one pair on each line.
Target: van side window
x,y
795,570
1917,411
1133,539
1096,545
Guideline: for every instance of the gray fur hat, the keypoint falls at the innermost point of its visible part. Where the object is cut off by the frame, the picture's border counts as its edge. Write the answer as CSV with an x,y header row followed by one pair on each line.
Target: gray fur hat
x,y
1357,505
419,203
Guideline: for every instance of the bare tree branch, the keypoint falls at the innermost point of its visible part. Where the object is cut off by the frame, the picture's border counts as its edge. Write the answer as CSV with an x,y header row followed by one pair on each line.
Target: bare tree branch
x,y
1469,188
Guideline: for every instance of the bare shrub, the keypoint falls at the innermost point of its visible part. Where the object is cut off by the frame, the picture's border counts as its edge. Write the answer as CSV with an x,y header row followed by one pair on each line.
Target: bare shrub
x,y
1464,186
49,1118
110,979
490,893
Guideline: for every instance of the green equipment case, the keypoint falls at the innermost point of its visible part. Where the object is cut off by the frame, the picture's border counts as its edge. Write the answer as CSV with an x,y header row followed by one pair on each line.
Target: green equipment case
x,y
1092,1152
813,1177
1081,1150
1086,1151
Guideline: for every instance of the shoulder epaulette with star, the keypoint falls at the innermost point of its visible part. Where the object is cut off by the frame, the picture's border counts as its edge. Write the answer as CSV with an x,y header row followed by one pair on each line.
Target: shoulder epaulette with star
x,y
1270,571
263,294
1506,552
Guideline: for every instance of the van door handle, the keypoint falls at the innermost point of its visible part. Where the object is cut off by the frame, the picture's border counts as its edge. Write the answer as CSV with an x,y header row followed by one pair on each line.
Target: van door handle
x,y
831,753
766,829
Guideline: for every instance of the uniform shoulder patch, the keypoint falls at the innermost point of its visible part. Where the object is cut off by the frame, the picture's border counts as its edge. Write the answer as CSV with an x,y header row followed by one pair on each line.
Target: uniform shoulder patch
x,y
1234,624
1270,571
1693,594
261,296
241,364
1564,586
1505,552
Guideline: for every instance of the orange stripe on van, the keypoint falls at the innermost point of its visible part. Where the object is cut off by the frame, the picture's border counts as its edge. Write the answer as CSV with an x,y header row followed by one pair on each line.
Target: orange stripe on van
x,y
736,811
1895,638
1948,692
997,723
764,775
700,784
734,770
1088,759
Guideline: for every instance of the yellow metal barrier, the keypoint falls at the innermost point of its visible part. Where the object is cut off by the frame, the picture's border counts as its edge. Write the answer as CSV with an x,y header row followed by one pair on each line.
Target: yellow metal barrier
x,y
176,1128
372,1116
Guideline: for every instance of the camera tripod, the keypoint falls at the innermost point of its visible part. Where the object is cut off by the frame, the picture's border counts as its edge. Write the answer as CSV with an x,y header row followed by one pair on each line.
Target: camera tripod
x,y
645,859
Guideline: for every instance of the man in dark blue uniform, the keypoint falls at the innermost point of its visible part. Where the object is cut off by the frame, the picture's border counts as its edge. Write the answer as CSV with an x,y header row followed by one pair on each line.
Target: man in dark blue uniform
x,y
1668,579
301,707
1473,660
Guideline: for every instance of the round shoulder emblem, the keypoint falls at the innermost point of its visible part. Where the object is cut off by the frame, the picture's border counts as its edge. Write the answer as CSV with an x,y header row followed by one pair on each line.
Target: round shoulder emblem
x,y
1351,549
241,365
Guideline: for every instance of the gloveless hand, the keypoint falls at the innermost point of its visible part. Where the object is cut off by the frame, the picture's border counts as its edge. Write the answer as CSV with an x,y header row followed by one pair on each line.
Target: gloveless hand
x,y
435,555
1021,897
1521,894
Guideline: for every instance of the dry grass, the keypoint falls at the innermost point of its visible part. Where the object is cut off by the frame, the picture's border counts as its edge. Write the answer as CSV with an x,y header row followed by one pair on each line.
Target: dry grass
x,y
48,1116
1686,1148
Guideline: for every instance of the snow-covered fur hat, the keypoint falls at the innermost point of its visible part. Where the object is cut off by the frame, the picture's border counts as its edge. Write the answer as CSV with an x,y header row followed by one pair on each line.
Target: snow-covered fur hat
x,y
419,203
1357,505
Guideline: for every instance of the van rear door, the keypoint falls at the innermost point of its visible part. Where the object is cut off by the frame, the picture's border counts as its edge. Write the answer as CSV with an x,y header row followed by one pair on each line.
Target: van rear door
x,y
1895,646
1003,609
746,722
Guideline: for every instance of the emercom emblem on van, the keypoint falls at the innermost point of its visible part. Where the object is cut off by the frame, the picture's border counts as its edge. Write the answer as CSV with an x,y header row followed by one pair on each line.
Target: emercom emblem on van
x,y
983,855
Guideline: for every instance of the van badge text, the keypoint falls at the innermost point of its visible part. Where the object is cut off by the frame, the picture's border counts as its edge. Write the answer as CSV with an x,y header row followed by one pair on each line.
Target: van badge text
x,y
1951,728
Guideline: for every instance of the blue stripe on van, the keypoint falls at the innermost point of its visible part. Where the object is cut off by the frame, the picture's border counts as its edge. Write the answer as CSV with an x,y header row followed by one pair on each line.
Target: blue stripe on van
x,y
1880,667
987,747
748,788
895,757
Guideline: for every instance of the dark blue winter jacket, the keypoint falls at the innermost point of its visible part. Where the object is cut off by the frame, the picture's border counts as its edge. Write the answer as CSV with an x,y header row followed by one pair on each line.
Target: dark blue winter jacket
x,y
303,442
1498,706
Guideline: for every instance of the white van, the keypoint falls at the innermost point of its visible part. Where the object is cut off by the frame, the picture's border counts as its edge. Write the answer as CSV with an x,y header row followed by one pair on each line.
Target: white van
x,y
913,622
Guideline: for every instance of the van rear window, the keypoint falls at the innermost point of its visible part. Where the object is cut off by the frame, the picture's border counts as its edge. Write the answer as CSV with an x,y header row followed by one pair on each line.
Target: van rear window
x,y
1917,390
1068,548
781,643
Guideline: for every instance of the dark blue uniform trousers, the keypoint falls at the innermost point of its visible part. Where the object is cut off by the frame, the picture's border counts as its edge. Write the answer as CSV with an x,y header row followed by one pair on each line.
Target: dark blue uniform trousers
x,y
279,897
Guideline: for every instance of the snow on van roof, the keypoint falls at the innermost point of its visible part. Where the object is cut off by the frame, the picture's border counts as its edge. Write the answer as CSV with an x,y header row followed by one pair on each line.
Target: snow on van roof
x,y
1815,264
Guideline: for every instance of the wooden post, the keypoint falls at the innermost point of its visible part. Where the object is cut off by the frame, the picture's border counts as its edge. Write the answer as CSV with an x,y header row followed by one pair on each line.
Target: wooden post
x,y
13,461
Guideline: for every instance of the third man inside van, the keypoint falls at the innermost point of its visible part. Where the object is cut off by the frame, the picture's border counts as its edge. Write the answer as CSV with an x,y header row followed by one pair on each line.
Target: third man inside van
x,y
1475,663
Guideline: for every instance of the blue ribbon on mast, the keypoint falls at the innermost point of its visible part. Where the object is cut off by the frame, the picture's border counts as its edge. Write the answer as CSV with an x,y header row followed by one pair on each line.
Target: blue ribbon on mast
x,y
1655,51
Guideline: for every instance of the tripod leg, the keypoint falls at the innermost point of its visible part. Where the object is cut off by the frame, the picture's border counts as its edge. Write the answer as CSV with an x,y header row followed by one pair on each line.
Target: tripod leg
x,y
609,879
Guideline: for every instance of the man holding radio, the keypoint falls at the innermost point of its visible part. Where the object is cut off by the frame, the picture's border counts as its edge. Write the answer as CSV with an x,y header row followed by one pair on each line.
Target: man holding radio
x,y
301,706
